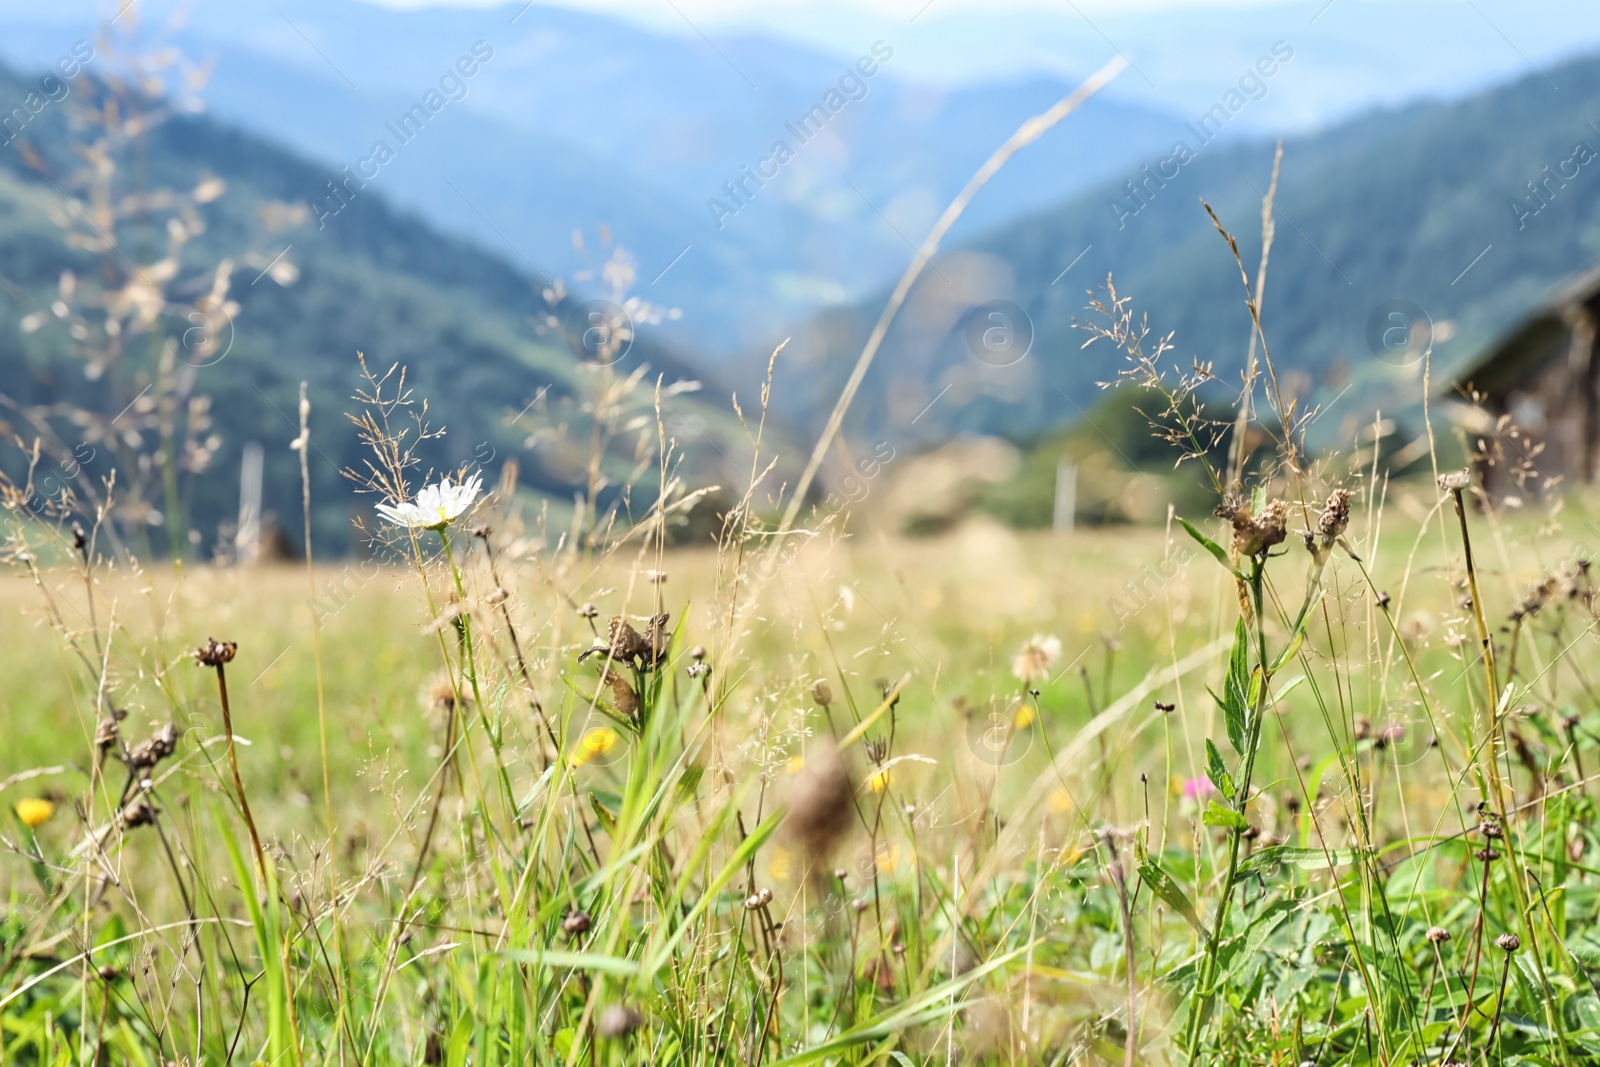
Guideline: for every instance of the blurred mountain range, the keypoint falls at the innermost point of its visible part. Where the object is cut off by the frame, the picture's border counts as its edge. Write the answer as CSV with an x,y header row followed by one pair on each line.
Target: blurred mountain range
x,y
1435,223
657,129
106,258
580,121
442,161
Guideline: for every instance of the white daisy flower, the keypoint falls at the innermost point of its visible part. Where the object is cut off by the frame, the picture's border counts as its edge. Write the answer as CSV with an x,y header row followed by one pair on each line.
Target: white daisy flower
x,y
436,506
1037,658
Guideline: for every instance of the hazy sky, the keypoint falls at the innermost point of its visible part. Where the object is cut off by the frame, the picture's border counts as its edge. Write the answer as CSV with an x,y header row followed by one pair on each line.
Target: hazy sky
x,y
750,10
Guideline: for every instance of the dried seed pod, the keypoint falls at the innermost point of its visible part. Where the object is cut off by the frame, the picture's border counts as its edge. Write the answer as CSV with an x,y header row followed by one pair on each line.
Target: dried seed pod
x,y
622,694
1254,534
624,644
153,750
106,733
215,653
1335,517
138,813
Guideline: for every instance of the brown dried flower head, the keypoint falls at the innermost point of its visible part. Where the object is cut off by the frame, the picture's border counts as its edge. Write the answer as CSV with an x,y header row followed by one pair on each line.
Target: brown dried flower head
x,y
1335,516
622,694
140,812
1254,534
1508,942
215,653
819,800
153,750
1438,935
107,730
624,644
440,694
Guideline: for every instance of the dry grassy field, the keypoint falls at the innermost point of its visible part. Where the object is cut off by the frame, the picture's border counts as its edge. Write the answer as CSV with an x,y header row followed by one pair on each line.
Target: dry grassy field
x,y
976,798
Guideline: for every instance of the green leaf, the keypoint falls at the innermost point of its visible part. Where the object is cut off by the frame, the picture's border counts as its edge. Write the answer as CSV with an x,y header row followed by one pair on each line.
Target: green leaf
x,y
608,820
1217,771
708,896
1217,815
1288,687
577,961
1297,635
1236,690
1210,546
1166,887
1240,949
1306,859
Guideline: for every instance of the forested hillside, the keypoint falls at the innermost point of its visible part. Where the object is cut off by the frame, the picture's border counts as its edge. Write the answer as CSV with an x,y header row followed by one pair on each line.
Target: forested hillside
x,y
174,260
1431,205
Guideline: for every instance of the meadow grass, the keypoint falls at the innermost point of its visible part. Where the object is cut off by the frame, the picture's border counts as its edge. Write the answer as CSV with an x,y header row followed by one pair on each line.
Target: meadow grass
x,y
837,826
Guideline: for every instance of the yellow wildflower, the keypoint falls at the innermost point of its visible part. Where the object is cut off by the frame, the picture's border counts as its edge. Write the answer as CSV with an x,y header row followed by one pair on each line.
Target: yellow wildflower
x,y
594,744
35,811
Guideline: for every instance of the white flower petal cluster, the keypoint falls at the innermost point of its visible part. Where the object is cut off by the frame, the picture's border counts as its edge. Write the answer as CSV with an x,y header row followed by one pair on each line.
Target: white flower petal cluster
x,y
436,506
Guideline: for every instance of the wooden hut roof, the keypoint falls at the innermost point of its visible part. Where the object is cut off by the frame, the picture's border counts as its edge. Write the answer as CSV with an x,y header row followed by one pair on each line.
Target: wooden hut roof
x,y
1537,338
